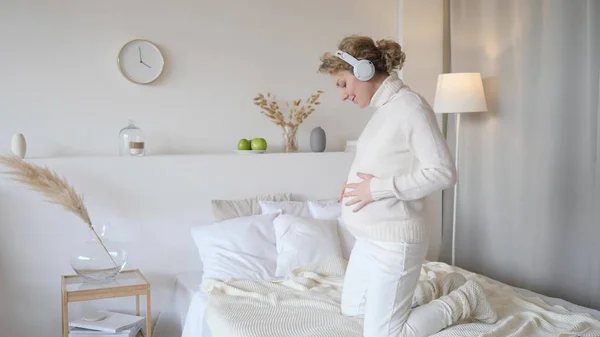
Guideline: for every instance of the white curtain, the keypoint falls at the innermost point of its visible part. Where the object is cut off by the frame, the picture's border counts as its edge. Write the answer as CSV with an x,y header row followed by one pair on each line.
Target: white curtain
x,y
529,200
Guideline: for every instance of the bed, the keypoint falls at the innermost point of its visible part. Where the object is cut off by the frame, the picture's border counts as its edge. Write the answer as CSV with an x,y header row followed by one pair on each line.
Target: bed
x,y
280,273
195,324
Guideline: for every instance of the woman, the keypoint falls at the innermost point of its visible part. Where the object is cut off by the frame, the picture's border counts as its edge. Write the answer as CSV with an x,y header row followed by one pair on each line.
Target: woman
x,y
401,157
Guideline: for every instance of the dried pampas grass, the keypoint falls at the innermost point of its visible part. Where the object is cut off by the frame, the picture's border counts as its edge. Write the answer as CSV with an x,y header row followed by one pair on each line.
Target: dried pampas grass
x,y
298,110
55,188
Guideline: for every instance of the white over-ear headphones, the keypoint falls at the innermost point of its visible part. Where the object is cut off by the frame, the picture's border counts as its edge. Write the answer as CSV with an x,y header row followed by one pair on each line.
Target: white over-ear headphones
x,y
364,70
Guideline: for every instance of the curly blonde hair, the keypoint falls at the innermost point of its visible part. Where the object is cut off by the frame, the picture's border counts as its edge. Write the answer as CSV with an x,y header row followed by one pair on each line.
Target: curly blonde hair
x,y
386,55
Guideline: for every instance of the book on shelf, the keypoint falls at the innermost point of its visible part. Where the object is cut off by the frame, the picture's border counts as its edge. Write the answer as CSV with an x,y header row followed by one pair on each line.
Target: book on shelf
x,y
114,325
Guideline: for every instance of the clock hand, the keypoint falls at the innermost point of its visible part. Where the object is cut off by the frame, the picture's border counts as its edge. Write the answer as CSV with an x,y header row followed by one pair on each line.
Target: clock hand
x,y
140,50
146,65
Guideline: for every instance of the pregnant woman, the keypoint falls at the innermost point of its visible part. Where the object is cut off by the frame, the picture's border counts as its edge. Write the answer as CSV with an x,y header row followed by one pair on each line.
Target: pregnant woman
x,y
401,157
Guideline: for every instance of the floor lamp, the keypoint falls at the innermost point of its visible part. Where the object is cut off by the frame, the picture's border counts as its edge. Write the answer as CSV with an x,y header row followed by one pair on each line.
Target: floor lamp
x,y
458,93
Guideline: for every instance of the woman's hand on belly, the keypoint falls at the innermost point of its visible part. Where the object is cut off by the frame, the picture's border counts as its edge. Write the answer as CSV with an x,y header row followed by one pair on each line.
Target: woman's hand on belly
x,y
361,192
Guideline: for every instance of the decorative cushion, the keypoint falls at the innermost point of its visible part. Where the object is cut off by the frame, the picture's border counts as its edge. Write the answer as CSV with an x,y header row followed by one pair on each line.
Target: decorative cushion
x,y
301,241
235,208
298,208
238,248
332,209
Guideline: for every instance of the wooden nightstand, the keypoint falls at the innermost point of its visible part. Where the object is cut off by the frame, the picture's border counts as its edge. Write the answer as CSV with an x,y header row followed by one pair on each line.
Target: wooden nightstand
x,y
127,283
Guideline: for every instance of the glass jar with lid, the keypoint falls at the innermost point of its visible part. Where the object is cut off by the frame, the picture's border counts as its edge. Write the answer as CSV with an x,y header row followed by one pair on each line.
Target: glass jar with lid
x,y
132,141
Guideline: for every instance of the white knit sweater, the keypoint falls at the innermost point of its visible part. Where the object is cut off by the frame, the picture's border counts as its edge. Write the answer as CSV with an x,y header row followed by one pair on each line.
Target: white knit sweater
x,y
402,146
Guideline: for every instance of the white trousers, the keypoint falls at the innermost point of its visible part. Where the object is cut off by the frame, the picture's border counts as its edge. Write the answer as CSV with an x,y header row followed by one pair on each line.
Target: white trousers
x,y
379,285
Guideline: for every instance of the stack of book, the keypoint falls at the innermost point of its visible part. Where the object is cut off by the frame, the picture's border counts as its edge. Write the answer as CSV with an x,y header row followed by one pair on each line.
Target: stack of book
x,y
113,325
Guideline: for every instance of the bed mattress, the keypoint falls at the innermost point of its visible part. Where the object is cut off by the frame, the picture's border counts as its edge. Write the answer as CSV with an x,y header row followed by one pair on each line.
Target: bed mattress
x,y
186,300
195,324
188,308
568,315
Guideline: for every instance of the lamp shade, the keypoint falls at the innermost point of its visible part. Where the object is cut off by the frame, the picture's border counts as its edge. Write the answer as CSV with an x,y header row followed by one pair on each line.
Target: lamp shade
x,y
458,93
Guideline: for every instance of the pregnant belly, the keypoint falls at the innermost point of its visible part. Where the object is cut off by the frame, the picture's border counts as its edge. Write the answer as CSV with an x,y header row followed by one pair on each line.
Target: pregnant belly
x,y
384,210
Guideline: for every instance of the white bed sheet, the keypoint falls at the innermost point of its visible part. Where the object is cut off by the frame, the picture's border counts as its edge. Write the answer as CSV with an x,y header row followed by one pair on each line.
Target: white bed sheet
x,y
194,321
552,301
185,295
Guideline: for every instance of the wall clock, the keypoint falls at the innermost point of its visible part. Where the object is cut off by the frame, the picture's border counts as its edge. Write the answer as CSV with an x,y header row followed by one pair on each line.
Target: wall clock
x,y
140,61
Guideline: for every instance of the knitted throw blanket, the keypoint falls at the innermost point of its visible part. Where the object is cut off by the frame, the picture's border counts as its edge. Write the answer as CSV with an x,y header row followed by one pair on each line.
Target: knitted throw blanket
x,y
307,303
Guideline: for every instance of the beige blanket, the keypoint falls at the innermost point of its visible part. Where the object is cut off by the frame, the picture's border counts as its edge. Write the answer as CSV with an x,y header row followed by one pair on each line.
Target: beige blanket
x,y
307,304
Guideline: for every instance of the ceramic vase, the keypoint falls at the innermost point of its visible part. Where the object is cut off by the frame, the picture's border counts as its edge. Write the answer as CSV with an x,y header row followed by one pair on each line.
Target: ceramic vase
x,y
19,145
318,140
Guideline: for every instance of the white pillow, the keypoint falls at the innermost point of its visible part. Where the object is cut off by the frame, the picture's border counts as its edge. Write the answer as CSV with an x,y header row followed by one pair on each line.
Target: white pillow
x,y
325,209
238,248
223,209
298,208
332,209
301,241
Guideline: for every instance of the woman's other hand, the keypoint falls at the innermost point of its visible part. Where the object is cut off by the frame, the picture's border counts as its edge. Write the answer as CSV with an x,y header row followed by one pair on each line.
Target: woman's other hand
x,y
361,192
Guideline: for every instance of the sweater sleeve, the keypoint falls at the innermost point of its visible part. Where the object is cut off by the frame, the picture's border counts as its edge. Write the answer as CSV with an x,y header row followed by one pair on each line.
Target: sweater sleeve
x,y
437,170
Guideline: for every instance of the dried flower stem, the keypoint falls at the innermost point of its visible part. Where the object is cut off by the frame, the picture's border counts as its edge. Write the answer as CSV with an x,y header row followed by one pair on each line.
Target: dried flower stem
x,y
55,188
297,111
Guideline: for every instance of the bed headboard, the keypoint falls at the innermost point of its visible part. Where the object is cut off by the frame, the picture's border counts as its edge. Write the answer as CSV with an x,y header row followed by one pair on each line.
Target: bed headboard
x,y
152,202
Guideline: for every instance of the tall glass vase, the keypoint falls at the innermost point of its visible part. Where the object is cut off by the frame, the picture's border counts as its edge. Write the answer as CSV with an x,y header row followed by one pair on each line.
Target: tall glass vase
x,y
290,138
100,258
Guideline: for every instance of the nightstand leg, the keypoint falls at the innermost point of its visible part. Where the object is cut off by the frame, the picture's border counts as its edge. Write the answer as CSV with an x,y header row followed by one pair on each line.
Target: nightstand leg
x,y
137,305
65,315
148,315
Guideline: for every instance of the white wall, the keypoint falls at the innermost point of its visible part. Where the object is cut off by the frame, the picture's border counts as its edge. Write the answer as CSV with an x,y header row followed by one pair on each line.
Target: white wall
x,y
423,42
422,30
60,86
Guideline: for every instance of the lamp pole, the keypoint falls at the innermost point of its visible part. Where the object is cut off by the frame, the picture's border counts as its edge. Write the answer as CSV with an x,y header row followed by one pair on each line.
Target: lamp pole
x,y
454,204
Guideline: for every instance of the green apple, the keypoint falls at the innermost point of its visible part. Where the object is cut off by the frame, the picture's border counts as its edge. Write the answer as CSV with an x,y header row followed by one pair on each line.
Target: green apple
x,y
258,144
244,144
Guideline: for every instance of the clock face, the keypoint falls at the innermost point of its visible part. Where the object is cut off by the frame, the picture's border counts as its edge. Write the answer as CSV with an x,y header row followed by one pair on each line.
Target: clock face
x,y
140,61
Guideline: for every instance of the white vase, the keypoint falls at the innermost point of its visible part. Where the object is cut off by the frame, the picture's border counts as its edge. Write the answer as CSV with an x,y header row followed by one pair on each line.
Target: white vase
x,y
19,145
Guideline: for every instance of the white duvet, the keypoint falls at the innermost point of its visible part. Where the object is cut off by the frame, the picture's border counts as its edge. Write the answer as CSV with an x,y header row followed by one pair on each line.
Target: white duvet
x,y
307,304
